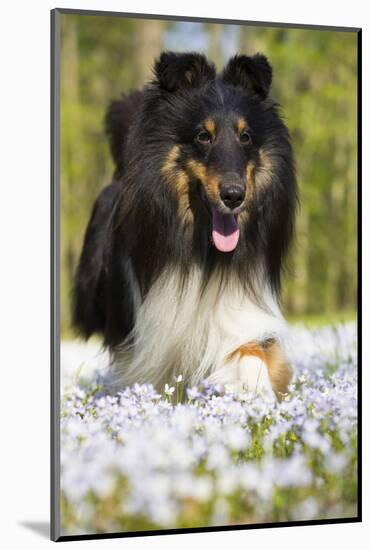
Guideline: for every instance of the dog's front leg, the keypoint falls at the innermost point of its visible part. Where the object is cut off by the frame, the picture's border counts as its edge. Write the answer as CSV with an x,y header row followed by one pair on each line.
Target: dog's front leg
x,y
259,367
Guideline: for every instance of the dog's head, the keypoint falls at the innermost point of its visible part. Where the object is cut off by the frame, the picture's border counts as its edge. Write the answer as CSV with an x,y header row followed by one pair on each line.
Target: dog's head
x,y
222,144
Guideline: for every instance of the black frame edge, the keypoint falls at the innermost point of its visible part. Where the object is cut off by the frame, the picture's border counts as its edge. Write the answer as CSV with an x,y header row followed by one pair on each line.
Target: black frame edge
x,y
359,264
97,536
194,19
54,278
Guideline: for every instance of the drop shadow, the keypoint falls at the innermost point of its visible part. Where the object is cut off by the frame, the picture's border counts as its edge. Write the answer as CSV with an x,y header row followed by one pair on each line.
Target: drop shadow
x,y
42,528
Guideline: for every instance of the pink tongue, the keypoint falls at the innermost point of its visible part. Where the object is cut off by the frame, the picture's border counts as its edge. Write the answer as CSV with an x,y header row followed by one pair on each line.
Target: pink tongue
x,y
225,231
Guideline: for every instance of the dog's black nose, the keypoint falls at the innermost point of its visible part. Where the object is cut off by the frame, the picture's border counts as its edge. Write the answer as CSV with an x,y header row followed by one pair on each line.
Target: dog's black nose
x,y
232,195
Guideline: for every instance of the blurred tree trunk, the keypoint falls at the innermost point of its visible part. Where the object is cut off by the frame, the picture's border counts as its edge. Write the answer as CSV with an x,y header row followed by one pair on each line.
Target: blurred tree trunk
x,y
299,297
215,49
147,46
351,252
348,267
336,226
71,157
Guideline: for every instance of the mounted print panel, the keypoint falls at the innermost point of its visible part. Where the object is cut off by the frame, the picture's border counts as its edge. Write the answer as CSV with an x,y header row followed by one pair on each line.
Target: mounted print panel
x,y
205,269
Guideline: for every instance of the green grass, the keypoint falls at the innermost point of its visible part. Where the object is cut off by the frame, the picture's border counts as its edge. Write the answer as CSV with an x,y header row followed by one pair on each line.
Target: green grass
x,y
314,320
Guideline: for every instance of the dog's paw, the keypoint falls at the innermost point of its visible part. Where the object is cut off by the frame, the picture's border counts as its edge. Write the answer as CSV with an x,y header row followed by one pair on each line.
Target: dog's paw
x,y
254,377
234,387
248,373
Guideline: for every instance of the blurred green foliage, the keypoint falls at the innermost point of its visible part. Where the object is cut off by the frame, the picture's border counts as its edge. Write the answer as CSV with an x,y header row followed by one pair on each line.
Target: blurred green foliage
x,y
315,81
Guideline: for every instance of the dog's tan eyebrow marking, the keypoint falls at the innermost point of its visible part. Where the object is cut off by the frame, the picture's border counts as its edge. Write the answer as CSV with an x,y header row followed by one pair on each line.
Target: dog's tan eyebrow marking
x,y
210,126
241,124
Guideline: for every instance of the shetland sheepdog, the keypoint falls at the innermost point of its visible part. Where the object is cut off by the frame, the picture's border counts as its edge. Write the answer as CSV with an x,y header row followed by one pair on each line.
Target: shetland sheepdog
x,y
182,259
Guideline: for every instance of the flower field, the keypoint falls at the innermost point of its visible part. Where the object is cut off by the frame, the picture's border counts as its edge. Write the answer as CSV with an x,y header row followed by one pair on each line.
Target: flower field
x,y
196,457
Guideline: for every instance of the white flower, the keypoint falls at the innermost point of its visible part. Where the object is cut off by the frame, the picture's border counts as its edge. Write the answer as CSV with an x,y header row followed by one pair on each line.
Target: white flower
x,y
202,488
193,393
308,509
335,462
237,438
227,481
169,390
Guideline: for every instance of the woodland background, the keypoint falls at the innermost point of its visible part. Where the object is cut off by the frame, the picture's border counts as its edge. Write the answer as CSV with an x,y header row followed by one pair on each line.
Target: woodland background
x,y
315,81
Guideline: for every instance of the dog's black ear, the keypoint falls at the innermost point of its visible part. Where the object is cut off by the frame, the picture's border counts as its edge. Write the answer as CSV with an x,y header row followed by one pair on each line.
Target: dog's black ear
x,y
182,70
253,73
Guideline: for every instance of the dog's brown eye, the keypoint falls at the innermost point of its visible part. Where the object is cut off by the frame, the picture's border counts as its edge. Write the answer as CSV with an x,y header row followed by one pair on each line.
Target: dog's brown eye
x,y
204,137
245,138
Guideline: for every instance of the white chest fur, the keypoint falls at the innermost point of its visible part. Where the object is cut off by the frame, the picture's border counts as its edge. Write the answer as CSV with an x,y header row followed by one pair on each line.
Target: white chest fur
x,y
189,332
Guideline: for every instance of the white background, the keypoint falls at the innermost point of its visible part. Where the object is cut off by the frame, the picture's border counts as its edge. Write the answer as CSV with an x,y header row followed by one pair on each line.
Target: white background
x,y
24,269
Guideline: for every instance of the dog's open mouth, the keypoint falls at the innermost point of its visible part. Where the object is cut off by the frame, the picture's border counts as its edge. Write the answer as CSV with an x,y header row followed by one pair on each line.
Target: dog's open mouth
x,y
225,231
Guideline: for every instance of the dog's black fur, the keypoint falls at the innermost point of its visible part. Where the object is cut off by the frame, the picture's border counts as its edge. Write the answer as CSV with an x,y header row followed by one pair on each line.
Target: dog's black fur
x,y
136,229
